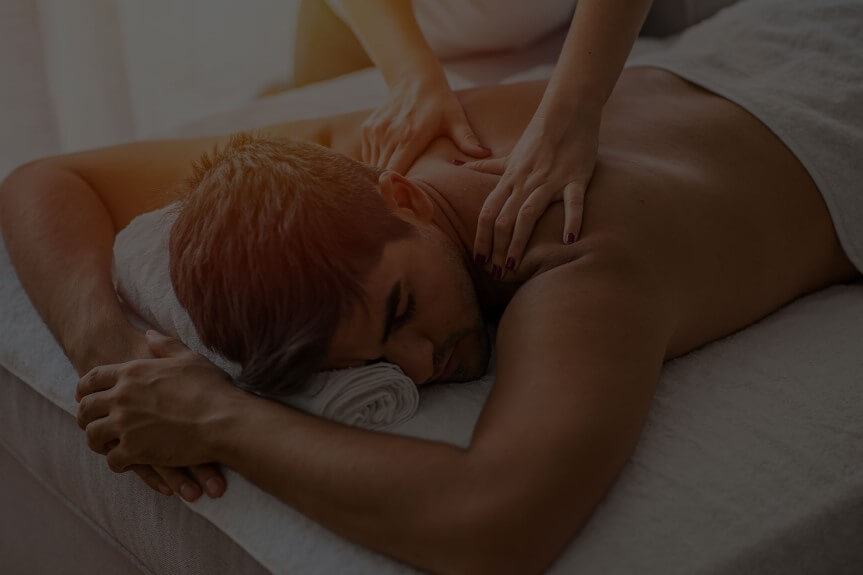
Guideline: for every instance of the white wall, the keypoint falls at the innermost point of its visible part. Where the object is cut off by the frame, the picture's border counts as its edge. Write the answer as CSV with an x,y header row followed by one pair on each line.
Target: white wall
x,y
187,59
79,74
27,128
85,69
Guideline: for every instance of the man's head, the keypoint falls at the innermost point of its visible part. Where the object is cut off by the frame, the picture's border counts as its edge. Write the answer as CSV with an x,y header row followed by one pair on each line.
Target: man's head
x,y
285,255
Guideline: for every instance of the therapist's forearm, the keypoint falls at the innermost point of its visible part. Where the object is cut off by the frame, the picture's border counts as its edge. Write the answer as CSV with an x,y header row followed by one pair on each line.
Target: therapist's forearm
x,y
389,32
60,238
599,41
408,498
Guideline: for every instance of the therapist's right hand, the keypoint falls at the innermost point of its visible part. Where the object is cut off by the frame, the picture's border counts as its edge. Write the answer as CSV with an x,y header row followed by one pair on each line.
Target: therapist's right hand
x,y
418,110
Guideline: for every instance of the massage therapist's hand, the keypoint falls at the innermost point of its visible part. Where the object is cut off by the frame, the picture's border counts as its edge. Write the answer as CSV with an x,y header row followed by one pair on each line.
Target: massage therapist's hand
x,y
419,109
158,412
553,160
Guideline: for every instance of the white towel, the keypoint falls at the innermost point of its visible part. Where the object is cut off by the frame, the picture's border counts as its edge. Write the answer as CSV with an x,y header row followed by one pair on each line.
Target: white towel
x,y
372,397
797,66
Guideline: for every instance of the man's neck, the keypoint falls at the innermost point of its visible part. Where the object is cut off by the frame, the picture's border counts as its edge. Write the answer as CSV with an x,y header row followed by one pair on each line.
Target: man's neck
x,y
458,194
458,197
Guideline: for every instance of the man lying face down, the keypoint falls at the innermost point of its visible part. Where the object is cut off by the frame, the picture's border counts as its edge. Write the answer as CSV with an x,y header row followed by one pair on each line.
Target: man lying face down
x,y
698,221
271,255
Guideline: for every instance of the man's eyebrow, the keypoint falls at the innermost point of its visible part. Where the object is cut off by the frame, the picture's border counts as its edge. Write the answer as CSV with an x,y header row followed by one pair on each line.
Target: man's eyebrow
x,y
392,306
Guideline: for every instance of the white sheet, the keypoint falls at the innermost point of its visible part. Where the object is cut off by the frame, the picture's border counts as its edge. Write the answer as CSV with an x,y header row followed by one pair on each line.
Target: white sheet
x,y
751,459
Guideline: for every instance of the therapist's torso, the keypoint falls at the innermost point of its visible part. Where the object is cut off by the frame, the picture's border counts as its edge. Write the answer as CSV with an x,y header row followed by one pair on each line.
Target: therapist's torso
x,y
455,28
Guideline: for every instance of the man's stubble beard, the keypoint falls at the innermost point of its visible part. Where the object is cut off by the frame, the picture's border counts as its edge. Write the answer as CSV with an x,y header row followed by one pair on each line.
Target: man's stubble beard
x,y
475,361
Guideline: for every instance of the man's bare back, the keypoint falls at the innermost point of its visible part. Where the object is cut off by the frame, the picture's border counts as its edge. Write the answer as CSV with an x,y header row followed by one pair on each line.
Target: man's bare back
x,y
669,151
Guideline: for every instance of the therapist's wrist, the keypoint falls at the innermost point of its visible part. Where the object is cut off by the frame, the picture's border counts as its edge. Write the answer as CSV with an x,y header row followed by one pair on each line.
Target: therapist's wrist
x,y
558,116
419,69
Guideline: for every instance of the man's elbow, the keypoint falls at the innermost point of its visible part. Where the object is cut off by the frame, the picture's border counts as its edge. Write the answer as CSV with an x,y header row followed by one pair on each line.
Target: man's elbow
x,y
11,186
507,531
18,178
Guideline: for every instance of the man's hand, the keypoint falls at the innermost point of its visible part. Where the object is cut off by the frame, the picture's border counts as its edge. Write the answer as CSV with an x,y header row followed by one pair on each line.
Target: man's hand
x,y
158,412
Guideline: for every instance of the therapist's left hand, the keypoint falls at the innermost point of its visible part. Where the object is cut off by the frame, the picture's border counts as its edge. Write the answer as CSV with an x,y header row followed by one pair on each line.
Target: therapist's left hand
x,y
553,160
162,412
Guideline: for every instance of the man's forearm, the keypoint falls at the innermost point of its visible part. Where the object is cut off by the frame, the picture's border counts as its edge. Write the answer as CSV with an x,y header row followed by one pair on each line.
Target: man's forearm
x,y
412,499
60,238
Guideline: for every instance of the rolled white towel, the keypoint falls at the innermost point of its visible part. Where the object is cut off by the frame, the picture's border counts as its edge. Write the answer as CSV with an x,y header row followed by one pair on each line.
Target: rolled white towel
x,y
371,397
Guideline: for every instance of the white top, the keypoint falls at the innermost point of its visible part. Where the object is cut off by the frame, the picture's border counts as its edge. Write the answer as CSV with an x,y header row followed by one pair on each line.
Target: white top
x,y
455,28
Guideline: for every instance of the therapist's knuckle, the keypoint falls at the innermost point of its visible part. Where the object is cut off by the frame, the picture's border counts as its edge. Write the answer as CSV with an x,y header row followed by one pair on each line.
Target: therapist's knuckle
x,y
503,224
407,132
487,215
574,201
528,211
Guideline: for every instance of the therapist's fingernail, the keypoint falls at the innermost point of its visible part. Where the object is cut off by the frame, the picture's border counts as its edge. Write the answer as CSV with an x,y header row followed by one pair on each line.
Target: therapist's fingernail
x,y
510,264
188,491
213,486
495,272
570,238
479,259
165,490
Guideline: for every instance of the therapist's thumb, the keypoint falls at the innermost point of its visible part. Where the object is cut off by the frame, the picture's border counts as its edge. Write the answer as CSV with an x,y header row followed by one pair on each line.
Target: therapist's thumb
x,y
163,345
465,138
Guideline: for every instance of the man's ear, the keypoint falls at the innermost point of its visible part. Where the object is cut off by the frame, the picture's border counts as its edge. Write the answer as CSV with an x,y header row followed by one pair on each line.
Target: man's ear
x,y
402,194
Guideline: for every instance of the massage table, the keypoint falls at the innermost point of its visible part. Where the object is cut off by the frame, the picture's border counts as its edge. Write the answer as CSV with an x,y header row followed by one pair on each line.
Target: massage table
x,y
751,460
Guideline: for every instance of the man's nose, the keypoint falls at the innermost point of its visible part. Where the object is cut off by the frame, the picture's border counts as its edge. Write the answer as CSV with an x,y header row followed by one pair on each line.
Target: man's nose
x,y
414,354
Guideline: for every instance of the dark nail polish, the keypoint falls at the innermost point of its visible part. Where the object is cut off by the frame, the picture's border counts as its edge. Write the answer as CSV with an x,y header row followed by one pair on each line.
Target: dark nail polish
x,y
480,260
570,238
495,272
510,264
458,162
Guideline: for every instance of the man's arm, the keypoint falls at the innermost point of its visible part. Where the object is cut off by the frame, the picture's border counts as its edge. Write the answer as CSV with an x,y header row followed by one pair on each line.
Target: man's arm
x,y
565,413
59,217
566,410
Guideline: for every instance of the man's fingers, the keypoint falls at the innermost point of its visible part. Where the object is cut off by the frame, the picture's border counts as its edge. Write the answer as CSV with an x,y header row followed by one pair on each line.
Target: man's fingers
x,y
483,242
528,214
573,202
91,407
466,139
165,346
99,378
101,436
152,479
494,166
210,478
118,460
180,482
